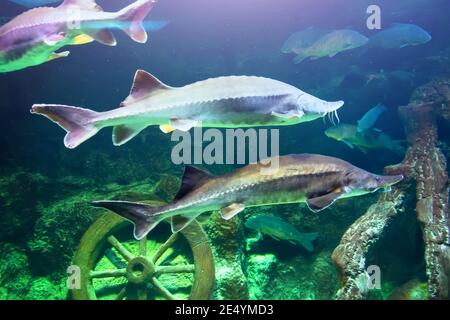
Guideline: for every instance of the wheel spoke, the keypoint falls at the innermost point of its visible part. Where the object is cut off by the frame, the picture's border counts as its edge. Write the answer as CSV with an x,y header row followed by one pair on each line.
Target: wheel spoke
x,y
143,246
164,247
127,255
158,286
115,260
188,268
142,293
121,294
111,273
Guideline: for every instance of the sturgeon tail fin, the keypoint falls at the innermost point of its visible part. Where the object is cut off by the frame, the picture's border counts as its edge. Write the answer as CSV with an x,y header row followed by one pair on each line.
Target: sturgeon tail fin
x,y
142,215
77,122
133,15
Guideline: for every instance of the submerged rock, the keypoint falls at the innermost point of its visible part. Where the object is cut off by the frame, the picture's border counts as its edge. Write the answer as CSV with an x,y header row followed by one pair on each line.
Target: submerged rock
x,y
411,290
14,272
58,232
44,289
260,273
227,240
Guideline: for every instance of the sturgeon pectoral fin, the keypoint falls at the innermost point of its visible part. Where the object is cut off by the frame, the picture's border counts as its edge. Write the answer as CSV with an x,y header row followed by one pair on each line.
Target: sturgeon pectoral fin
x,y
289,114
58,55
232,210
124,133
54,39
323,202
180,222
166,128
82,39
183,124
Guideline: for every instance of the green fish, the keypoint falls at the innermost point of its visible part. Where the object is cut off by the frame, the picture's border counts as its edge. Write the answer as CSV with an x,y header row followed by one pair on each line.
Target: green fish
x,y
280,230
370,139
331,44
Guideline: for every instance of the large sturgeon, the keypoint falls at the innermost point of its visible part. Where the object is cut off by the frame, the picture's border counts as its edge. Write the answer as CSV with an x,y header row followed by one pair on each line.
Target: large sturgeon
x,y
33,37
225,102
317,180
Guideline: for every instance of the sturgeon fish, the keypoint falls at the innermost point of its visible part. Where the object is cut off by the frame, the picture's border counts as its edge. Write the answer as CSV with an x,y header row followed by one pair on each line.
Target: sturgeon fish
x,y
33,37
225,102
315,179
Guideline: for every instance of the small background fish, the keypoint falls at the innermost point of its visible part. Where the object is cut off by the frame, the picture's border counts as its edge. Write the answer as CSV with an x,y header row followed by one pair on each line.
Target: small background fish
x,y
302,40
279,229
400,35
370,118
368,139
331,44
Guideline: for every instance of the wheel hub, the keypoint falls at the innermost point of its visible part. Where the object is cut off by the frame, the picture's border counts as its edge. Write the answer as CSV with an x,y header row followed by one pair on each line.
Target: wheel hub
x,y
140,270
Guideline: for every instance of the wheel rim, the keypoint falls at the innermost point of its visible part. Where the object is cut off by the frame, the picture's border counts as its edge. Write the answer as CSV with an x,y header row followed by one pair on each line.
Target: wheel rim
x,y
143,268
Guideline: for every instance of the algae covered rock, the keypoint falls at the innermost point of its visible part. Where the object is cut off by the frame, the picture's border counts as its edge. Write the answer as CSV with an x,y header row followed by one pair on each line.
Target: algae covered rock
x,y
260,273
43,289
411,290
17,216
14,272
58,231
167,187
227,240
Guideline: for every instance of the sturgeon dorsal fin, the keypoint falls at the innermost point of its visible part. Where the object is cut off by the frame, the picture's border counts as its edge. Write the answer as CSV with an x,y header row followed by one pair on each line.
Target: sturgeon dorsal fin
x,y
144,84
86,4
192,178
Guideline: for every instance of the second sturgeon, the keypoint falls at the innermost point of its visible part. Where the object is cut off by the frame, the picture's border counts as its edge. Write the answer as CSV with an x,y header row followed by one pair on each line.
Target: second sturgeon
x,y
313,179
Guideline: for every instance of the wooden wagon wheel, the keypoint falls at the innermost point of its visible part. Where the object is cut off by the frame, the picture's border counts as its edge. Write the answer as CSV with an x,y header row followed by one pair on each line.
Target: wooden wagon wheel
x,y
141,269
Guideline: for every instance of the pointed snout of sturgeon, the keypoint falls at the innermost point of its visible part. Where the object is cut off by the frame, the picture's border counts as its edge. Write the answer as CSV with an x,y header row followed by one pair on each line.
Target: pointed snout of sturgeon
x,y
388,181
311,104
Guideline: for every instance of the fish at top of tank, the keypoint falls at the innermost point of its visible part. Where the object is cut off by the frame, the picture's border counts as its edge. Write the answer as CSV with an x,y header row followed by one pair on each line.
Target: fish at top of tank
x,y
314,43
400,35
35,36
34,3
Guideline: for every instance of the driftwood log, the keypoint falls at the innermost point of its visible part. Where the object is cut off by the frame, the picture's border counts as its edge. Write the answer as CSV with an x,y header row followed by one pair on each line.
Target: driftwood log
x,y
425,169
